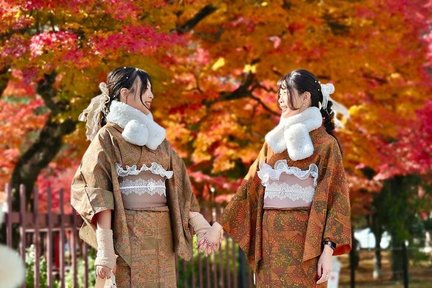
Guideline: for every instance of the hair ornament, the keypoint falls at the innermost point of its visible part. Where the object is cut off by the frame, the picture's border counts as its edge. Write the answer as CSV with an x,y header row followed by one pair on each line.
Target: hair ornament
x,y
327,90
95,111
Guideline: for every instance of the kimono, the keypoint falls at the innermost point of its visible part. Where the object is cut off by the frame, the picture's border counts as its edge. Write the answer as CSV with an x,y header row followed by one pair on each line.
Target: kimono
x,y
283,244
114,172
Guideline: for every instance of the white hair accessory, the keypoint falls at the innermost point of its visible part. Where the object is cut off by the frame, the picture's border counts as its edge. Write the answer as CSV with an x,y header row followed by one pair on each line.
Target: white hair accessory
x,y
326,90
92,115
104,89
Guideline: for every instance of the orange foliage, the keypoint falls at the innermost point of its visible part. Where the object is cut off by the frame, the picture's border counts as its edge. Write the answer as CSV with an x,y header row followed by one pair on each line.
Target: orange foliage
x,y
215,84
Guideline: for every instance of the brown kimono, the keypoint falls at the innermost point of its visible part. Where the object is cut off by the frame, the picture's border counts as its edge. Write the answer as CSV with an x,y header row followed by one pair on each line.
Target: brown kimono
x,y
283,246
143,239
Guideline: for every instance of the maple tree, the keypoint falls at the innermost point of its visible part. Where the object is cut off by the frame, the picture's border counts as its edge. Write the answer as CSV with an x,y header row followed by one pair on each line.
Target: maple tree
x,y
215,66
60,50
374,52
412,148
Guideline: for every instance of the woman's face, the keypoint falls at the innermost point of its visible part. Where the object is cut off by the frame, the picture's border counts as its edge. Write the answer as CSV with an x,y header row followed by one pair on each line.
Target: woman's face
x,y
131,96
300,102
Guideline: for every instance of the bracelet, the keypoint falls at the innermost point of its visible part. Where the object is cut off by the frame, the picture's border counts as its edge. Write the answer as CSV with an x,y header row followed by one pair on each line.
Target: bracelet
x,y
330,243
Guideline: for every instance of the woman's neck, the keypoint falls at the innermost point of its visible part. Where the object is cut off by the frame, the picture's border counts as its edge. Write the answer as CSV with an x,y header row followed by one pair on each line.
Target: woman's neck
x,y
289,113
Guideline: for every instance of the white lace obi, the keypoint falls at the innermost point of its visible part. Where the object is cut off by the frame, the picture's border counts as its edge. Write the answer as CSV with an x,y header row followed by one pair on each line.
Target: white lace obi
x,y
288,187
143,187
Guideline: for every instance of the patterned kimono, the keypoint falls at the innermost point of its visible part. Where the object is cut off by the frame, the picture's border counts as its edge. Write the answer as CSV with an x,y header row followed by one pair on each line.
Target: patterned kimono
x,y
150,194
284,209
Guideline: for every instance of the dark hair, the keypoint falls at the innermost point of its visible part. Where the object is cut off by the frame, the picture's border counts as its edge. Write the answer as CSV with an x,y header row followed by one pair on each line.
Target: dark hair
x,y
304,81
124,77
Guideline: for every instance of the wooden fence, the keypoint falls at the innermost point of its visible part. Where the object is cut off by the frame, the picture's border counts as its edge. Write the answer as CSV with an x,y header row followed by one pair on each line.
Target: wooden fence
x,y
61,259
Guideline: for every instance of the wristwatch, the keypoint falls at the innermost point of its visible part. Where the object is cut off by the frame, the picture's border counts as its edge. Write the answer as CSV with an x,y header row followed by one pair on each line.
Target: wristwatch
x,y
330,243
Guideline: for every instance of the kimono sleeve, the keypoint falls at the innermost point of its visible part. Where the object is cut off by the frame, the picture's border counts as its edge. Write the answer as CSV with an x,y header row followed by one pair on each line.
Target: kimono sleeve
x,y
242,216
338,220
181,201
91,190
182,184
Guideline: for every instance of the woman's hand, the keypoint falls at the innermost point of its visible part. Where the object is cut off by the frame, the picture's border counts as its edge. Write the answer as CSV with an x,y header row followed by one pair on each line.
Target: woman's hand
x,y
104,272
325,264
209,237
211,241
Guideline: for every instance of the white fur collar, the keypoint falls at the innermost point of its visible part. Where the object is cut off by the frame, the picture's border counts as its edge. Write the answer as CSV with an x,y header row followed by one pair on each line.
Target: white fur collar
x,y
292,134
138,128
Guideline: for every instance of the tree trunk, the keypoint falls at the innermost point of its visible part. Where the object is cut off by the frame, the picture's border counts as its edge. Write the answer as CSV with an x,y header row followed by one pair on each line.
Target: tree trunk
x,y
397,259
377,262
38,156
47,144
405,265
354,260
377,231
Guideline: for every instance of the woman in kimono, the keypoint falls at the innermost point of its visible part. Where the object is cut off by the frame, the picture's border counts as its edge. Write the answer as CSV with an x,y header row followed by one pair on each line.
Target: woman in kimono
x,y
292,211
133,191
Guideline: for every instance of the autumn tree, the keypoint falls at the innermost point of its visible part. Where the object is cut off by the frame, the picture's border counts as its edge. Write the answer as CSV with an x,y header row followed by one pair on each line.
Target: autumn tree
x,y
60,50
215,66
404,204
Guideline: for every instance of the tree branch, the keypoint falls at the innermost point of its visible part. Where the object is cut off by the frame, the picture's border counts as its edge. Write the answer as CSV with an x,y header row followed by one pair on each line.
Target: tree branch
x,y
45,90
244,90
191,23
267,108
241,92
5,75
48,93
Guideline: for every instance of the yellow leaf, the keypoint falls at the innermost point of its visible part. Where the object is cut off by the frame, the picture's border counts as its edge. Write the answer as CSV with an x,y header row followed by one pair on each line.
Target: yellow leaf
x,y
218,64
249,69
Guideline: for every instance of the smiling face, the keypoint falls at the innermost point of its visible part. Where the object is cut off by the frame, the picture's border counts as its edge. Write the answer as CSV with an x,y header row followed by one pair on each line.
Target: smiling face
x,y
137,97
290,102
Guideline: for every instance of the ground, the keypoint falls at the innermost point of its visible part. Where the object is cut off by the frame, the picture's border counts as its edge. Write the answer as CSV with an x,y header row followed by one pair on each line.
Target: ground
x,y
420,273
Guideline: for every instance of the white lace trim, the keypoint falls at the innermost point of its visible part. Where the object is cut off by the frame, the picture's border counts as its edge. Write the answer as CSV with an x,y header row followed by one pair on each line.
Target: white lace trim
x,y
287,191
141,186
154,168
267,173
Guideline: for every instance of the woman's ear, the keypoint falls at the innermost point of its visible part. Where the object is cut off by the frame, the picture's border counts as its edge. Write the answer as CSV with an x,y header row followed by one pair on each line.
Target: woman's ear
x,y
124,92
307,97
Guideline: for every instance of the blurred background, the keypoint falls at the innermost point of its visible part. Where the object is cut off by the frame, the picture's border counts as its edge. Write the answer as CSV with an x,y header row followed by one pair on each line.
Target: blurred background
x,y
215,66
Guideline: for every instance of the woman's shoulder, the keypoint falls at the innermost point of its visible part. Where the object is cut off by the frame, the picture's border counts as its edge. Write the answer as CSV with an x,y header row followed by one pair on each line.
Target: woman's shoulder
x,y
324,143
166,147
105,136
111,129
321,137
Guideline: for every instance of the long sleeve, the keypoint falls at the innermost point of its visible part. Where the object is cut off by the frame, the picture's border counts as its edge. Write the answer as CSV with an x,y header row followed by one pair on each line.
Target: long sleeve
x,y
181,201
242,216
338,220
181,182
91,190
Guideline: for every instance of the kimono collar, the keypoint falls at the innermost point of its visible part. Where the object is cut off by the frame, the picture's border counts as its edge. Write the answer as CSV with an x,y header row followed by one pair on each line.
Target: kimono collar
x,y
138,128
292,134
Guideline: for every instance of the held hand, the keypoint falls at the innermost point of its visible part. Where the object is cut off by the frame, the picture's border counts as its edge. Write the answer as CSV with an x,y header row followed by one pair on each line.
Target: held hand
x,y
210,243
199,225
209,237
325,264
103,272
